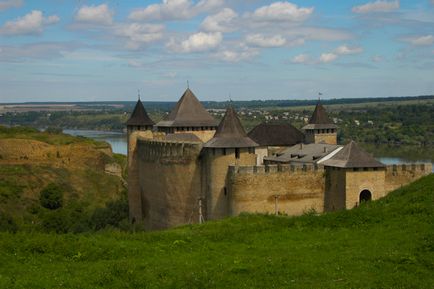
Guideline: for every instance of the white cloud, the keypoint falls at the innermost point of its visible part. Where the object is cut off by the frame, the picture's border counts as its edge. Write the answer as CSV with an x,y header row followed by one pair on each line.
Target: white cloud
x,y
301,58
244,53
6,4
263,41
197,42
220,22
174,10
31,23
281,11
138,34
377,6
100,14
424,40
327,57
346,50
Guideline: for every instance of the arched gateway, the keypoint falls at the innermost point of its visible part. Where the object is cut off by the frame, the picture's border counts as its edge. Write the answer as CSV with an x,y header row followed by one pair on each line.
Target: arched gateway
x,y
365,196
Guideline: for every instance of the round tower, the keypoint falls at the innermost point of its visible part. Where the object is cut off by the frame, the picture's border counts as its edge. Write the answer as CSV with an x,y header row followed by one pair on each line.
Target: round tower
x,y
229,146
139,121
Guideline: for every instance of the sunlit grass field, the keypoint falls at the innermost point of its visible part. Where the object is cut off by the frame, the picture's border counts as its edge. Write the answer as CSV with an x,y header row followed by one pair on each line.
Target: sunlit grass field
x,y
384,244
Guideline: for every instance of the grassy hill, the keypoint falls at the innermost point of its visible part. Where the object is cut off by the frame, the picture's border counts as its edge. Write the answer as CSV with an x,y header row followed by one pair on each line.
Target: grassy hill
x,y
31,160
383,244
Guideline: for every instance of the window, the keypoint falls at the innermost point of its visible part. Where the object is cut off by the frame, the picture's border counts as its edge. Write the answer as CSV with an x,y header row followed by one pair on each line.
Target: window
x,y
237,153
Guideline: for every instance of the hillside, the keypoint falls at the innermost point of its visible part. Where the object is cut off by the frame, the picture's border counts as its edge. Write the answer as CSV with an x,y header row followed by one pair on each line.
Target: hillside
x,y
86,171
384,244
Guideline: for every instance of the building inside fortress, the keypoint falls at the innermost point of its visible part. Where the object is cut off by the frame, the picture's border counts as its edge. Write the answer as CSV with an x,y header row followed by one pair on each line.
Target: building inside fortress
x,y
190,168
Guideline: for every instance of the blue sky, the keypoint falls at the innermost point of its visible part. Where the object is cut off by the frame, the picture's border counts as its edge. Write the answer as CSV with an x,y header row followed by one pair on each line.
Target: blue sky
x,y
59,50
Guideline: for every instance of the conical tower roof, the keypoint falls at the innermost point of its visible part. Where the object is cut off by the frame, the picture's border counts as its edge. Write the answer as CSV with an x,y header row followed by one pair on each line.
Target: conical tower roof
x,y
319,119
352,156
230,133
319,115
139,116
188,112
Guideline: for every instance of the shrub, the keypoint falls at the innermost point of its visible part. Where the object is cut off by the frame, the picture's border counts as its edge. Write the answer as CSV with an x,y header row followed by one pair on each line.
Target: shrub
x,y
51,197
7,223
114,214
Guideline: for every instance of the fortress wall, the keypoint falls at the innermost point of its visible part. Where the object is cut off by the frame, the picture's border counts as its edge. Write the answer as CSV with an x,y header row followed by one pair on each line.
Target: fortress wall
x,y
400,175
170,182
328,138
204,135
134,197
216,174
298,188
335,189
357,181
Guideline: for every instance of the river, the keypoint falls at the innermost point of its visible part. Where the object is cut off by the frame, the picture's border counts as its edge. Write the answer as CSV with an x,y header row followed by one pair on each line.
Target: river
x,y
384,153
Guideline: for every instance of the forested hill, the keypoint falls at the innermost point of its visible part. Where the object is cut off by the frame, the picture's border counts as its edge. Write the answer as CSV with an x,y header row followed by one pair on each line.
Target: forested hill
x,y
50,181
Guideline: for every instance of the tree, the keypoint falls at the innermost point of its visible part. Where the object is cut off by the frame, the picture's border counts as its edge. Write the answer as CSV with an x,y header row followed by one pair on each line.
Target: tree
x,y
51,197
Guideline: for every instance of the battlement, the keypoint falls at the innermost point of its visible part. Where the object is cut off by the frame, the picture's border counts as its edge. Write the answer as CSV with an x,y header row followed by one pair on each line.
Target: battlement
x,y
167,151
419,167
275,169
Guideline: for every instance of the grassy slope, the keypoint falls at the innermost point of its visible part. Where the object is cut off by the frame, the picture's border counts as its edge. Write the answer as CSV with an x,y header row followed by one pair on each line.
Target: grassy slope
x,y
82,177
384,244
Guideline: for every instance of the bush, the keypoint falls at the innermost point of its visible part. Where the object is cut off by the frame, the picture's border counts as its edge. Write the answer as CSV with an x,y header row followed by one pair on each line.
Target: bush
x,y
57,221
114,214
51,197
7,223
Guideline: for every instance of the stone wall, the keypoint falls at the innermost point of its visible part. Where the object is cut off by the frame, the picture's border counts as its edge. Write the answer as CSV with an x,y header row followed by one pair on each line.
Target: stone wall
x,y
400,175
254,189
358,181
170,182
204,135
328,138
216,165
335,187
134,196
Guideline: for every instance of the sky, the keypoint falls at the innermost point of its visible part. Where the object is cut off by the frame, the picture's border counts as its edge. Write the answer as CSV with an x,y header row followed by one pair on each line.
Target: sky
x,y
71,50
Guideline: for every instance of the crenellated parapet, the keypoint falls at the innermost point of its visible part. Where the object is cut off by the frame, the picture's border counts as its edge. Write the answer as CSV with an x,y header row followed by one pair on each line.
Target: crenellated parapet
x,y
166,151
424,168
283,168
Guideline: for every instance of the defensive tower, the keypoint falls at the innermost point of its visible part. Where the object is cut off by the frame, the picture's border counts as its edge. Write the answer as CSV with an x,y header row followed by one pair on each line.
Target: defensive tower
x,y
137,123
352,176
189,116
229,146
320,127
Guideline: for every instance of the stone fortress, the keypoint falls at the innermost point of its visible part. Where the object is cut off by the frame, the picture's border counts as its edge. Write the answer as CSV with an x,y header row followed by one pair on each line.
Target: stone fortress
x,y
188,167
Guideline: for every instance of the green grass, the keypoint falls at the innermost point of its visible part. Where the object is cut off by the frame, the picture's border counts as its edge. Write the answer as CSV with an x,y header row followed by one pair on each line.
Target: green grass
x,y
384,244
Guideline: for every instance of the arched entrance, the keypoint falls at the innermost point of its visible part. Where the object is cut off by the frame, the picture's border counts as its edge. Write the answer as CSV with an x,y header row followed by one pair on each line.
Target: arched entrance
x,y
365,196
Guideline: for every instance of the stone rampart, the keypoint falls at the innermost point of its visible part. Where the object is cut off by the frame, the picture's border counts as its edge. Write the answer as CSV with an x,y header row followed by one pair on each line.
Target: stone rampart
x,y
289,189
403,174
170,182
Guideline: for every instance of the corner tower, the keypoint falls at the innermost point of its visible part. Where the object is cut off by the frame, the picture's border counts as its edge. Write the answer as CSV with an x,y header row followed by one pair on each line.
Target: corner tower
x,y
352,176
320,127
189,116
138,123
229,146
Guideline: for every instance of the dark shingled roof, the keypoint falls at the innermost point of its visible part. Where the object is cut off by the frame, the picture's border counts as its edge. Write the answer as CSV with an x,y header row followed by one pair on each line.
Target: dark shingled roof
x,y
139,116
274,134
230,133
352,156
319,119
319,115
188,112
